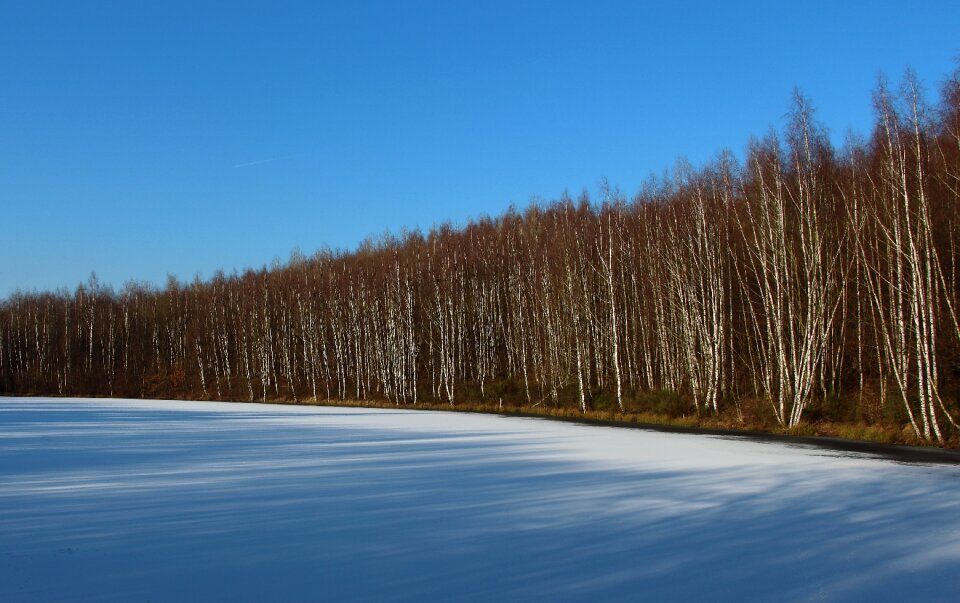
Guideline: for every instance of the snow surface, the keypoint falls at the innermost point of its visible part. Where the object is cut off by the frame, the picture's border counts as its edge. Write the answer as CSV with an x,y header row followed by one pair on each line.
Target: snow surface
x,y
169,501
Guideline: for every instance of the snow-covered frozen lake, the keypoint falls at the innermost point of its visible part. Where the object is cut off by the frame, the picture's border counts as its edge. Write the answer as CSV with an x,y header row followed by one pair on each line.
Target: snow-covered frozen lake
x,y
169,501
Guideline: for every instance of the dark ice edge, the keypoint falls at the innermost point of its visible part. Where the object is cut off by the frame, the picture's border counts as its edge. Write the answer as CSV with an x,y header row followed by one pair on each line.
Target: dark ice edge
x,y
894,452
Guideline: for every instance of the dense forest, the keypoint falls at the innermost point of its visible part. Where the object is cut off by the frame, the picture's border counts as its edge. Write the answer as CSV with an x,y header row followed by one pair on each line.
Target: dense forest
x,y
804,282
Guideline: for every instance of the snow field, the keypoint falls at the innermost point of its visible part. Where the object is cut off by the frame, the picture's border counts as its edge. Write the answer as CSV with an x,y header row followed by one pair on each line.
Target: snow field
x,y
171,501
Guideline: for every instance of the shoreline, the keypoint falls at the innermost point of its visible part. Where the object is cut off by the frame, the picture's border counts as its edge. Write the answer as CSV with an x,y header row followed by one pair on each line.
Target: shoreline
x,y
904,453
898,452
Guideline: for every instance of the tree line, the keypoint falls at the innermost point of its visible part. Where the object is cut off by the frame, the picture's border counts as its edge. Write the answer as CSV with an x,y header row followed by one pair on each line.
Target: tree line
x,y
802,279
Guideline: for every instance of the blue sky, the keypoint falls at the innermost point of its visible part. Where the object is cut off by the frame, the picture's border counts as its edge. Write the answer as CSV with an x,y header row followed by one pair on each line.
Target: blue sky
x,y
139,139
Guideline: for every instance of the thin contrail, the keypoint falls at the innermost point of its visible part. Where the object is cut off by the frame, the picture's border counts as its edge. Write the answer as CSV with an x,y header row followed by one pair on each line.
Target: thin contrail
x,y
258,162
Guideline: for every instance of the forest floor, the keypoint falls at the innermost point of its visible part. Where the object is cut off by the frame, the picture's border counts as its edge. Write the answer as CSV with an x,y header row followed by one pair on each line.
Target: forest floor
x,y
180,501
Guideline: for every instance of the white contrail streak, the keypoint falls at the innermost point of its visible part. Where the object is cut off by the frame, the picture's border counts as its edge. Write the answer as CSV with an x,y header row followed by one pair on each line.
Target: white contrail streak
x,y
259,161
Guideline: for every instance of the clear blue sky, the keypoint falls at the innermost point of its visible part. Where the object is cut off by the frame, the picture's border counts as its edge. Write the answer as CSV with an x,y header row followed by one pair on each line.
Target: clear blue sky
x,y
144,138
